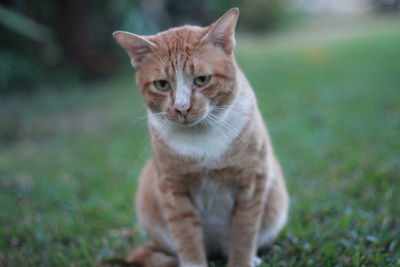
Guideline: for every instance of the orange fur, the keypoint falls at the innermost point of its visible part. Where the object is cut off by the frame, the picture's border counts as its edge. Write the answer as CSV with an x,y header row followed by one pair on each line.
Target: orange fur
x,y
214,185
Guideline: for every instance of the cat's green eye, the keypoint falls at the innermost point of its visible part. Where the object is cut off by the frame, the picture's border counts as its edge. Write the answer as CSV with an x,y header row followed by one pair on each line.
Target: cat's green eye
x,y
162,85
202,80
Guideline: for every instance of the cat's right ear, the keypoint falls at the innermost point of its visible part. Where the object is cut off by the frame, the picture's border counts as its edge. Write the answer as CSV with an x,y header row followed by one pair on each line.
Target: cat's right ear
x,y
222,32
137,47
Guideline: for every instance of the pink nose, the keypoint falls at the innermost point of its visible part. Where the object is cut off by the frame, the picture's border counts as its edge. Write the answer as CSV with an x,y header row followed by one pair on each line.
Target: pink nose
x,y
183,110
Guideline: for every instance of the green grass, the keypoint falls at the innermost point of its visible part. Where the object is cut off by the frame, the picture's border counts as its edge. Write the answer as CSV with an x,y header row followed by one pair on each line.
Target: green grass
x,y
69,160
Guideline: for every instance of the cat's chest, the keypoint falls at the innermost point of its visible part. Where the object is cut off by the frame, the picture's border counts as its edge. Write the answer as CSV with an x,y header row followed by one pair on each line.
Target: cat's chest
x,y
214,200
208,147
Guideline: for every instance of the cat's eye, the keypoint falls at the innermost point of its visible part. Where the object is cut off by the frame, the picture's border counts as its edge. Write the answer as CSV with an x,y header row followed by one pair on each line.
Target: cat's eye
x,y
162,85
202,80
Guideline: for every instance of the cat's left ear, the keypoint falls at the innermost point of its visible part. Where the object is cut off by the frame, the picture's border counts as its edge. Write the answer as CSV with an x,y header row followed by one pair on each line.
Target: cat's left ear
x,y
222,32
137,47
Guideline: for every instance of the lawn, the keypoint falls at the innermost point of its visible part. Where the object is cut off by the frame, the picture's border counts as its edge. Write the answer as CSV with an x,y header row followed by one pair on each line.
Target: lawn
x,y
69,159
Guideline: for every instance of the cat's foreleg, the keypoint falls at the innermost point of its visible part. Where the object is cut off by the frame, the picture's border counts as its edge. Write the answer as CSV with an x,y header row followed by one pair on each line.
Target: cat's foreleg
x,y
184,224
246,222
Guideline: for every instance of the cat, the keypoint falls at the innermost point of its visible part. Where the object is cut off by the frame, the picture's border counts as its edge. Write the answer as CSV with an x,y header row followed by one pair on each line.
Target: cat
x,y
213,185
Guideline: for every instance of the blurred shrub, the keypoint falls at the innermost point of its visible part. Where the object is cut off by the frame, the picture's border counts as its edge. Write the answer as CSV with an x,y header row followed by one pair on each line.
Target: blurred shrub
x,y
17,72
60,41
387,5
256,15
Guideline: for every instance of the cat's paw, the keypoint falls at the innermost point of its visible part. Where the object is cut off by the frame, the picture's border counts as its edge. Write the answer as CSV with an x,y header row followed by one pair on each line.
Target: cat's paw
x,y
257,261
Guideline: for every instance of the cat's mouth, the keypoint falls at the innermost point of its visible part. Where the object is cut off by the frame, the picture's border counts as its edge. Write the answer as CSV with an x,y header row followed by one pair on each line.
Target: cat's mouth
x,y
190,122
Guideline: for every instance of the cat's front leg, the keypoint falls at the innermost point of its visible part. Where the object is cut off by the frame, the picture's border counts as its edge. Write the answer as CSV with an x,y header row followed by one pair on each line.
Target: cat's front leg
x,y
246,222
184,225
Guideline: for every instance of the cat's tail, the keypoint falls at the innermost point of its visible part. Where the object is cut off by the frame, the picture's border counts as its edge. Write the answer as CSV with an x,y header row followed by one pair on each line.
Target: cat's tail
x,y
149,256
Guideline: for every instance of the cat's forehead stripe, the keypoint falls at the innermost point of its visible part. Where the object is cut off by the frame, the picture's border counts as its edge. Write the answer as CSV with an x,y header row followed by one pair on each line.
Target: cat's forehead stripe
x,y
178,63
178,47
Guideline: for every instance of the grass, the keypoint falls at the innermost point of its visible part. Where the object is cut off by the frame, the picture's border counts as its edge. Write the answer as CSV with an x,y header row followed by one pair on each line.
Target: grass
x,y
69,160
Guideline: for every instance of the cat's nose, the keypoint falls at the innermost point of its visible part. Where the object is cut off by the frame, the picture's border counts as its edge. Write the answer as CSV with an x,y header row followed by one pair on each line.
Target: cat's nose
x,y
183,109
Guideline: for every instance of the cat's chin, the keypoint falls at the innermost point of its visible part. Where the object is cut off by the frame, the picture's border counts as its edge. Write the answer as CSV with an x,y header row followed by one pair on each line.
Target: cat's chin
x,y
188,124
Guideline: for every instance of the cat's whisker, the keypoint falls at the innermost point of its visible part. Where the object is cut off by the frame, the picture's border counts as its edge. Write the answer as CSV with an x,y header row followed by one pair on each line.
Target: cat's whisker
x,y
227,127
159,114
224,108
231,111
220,109
213,124
139,120
135,122
222,128
217,125
157,130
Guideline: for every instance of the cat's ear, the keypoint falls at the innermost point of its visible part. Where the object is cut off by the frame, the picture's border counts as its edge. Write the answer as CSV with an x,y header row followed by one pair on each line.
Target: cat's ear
x,y
137,47
222,32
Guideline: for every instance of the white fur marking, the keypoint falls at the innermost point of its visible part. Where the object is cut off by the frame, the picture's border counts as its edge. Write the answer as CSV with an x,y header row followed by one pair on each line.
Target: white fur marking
x,y
182,91
215,203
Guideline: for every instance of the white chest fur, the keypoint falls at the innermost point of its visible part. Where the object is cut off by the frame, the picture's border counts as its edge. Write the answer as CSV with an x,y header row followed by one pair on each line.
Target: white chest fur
x,y
214,202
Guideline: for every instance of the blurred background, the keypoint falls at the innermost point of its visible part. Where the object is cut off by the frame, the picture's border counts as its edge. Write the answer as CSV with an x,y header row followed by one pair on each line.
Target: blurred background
x,y
70,41
73,135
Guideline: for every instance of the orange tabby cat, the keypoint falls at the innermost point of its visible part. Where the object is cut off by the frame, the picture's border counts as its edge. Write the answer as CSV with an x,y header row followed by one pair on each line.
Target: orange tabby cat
x,y
214,185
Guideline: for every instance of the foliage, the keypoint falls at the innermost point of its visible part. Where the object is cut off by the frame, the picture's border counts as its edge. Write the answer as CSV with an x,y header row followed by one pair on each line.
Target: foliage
x,y
68,175
60,41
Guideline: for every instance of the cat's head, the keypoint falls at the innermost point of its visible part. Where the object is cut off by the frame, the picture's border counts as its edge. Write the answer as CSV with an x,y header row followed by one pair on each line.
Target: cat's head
x,y
186,73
